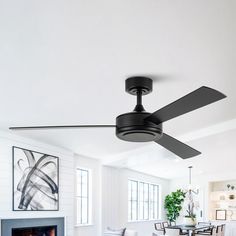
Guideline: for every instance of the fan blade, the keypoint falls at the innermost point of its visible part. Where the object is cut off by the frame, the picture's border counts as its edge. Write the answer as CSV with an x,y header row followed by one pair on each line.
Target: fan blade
x,y
192,101
180,149
61,127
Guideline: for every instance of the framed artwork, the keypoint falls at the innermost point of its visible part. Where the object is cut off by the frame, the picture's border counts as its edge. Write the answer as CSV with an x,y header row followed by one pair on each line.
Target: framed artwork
x,y
220,214
35,181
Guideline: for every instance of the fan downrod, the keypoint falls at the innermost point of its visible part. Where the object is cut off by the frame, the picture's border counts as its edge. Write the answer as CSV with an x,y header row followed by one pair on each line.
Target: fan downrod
x,y
138,86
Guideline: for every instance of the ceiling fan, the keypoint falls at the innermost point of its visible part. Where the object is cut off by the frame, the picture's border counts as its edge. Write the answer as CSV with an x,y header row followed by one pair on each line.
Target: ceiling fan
x,y
142,126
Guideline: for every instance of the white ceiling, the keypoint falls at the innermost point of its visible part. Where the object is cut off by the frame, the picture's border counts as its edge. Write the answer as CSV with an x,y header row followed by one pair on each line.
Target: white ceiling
x,y
65,62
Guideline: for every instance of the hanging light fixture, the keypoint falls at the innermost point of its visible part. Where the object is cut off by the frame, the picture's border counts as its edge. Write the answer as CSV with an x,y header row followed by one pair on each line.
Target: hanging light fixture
x,y
190,189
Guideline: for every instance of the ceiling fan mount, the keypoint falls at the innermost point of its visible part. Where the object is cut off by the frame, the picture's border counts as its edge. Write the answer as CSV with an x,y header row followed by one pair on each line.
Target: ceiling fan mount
x,y
132,126
138,84
142,126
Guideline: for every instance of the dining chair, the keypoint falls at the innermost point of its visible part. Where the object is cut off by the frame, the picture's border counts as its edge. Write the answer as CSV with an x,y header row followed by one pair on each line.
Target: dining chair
x,y
165,224
211,231
158,227
208,223
218,230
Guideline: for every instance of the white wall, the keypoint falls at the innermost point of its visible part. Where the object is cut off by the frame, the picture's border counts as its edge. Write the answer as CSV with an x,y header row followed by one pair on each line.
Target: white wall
x,y
111,192
95,167
66,179
115,199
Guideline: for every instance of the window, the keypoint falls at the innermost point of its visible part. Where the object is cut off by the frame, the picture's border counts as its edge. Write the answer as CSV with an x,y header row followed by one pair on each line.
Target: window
x,y
143,201
154,205
82,196
133,200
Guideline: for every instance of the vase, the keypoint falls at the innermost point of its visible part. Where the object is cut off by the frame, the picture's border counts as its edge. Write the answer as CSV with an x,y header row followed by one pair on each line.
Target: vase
x,y
188,221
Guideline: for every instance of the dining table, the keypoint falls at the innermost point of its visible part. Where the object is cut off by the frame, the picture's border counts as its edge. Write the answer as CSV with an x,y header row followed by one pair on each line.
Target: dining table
x,y
191,230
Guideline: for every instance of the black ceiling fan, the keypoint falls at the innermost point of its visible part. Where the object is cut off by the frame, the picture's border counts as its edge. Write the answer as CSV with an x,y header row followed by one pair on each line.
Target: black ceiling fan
x,y
142,126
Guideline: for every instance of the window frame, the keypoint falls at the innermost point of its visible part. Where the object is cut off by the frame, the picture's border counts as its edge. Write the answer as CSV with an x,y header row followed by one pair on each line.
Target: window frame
x,y
143,201
158,201
130,201
88,197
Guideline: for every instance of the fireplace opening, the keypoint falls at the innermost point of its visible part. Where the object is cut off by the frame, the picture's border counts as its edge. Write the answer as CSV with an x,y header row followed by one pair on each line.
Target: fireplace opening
x,y
35,231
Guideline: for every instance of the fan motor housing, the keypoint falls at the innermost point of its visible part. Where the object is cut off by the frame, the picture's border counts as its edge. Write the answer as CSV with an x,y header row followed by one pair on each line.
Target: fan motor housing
x,y
132,127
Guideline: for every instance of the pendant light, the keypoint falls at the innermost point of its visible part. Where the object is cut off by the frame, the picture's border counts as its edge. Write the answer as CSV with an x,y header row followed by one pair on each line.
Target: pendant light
x,y
191,189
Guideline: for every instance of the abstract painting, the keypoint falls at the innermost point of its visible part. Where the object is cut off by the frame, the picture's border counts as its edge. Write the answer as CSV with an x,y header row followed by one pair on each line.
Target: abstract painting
x,y
35,181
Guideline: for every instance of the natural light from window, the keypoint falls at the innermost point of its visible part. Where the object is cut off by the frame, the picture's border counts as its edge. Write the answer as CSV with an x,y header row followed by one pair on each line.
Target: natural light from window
x,y
82,197
143,201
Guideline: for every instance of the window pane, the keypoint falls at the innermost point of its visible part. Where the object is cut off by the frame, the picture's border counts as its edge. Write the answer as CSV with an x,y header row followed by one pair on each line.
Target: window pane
x,y
146,193
154,201
151,197
133,200
151,192
146,201
129,200
84,176
79,192
134,191
141,213
129,211
134,211
141,200
78,176
141,193
78,210
82,196
152,210
146,210
129,190
84,210
84,190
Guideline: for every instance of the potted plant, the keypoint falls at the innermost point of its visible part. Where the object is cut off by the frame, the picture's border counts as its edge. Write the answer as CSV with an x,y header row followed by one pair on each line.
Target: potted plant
x,y
190,218
173,204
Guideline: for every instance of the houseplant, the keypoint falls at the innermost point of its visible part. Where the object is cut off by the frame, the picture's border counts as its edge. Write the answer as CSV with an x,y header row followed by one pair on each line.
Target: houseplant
x,y
173,204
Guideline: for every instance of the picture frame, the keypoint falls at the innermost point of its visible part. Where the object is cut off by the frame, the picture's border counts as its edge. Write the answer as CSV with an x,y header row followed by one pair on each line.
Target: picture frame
x,y
35,181
221,214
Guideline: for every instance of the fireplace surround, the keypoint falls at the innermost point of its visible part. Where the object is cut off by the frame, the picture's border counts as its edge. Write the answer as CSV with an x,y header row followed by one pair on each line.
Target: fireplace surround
x,y
33,226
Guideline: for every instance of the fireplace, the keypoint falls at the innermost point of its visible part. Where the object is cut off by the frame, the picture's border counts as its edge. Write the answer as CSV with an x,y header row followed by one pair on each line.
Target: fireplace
x,y
33,227
35,231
